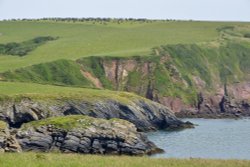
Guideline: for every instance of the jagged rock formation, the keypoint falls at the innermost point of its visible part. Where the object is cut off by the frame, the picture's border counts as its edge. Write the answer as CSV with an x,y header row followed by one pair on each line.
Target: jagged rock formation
x,y
65,124
145,114
80,134
8,142
220,106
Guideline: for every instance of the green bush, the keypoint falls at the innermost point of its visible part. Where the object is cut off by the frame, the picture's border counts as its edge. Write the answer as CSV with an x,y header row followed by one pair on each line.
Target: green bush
x,y
23,48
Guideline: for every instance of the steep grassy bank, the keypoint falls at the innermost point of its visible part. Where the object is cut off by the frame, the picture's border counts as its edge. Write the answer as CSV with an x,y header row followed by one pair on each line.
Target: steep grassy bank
x,y
60,72
69,160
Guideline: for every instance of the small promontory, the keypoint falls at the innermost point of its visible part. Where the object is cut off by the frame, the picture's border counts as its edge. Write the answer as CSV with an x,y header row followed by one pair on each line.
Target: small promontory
x,y
83,134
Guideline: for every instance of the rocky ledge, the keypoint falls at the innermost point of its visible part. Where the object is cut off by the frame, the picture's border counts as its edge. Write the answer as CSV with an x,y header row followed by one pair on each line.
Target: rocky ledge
x,y
82,134
227,107
81,125
145,114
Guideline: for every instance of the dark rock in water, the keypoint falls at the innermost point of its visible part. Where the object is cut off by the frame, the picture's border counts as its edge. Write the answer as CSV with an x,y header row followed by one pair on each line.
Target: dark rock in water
x,y
83,134
227,107
145,114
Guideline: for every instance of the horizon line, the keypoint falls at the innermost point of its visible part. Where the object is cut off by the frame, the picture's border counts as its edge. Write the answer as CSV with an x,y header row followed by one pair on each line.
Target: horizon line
x,y
119,18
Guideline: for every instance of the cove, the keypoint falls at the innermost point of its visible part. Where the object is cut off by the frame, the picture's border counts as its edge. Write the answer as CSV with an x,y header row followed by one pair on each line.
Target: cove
x,y
212,139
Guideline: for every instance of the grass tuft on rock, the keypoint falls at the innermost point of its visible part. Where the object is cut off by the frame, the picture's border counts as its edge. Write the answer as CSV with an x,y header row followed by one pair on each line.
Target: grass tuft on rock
x,y
3,125
70,122
64,122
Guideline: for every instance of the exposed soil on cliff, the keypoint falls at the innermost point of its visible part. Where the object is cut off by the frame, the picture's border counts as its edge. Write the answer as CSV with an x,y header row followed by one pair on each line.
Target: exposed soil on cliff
x,y
93,79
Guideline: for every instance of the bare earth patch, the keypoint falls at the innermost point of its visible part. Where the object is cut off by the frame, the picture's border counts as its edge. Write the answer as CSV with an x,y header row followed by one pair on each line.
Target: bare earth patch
x,y
91,78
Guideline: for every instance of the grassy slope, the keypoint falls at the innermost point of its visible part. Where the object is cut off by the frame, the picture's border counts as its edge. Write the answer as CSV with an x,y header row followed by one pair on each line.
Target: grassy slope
x,y
16,90
70,160
60,72
81,39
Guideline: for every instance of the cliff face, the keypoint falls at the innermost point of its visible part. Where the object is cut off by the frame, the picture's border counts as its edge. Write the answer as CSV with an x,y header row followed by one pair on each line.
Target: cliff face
x,y
154,78
146,115
182,77
173,75
90,121
230,102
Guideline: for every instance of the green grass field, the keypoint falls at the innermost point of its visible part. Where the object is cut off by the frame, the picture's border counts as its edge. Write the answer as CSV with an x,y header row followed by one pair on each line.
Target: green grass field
x,y
17,90
85,39
73,160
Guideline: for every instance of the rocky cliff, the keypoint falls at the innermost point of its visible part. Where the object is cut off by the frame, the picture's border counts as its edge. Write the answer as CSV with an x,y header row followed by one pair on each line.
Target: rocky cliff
x,y
8,142
78,134
72,123
145,114
232,102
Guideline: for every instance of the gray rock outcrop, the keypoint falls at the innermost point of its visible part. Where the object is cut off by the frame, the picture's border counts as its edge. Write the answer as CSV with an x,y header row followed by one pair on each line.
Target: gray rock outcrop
x,y
85,135
145,114
8,142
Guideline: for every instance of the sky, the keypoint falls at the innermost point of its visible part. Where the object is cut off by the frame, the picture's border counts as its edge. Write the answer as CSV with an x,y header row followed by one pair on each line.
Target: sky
x,y
220,10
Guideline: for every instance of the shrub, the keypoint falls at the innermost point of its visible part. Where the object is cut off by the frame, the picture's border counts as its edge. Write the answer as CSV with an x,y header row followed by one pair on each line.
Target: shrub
x,y
23,48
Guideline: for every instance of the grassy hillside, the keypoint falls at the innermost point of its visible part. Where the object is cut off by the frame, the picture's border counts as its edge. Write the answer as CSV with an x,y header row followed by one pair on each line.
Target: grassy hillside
x,y
175,71
70,160
84,39
170,58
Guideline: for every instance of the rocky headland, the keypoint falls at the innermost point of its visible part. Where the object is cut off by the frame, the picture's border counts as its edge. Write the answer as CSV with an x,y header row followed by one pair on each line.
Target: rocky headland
x,y
83,134
83,126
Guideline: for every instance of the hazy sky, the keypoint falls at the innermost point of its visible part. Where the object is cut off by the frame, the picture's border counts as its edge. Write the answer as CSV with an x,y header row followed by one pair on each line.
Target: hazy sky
x,y
232,10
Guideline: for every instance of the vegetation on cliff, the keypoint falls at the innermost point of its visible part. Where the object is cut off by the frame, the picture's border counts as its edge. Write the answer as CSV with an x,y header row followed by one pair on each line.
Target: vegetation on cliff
x,y
61,72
